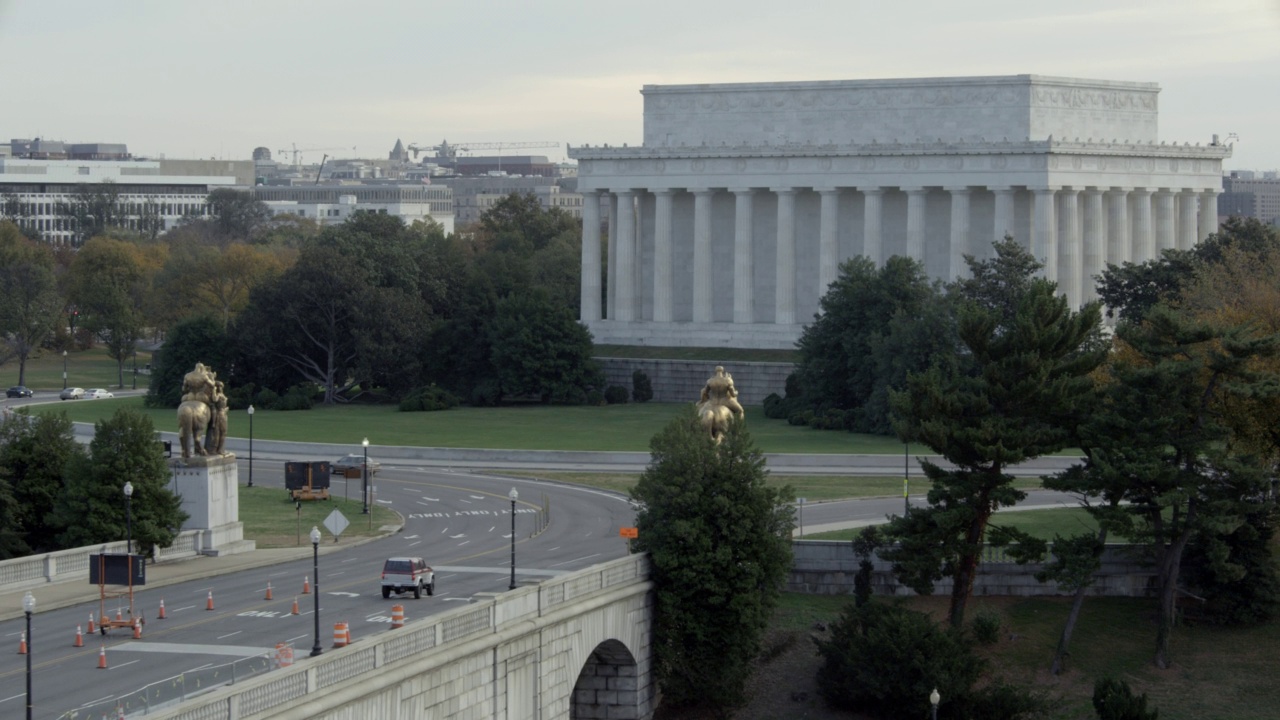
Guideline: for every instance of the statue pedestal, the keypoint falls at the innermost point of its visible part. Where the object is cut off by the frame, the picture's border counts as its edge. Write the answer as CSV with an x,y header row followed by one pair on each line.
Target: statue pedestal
x,y
210,492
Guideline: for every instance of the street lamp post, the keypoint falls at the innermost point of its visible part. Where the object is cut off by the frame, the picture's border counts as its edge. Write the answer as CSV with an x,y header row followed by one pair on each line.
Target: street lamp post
x,y
514,496
128,514
135,368
64,369
366,476
906,473
250,446
315,573
934,699
28,607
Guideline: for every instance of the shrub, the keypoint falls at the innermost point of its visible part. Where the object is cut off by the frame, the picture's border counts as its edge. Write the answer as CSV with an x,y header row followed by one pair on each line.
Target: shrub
x,y
486,394
1113,700
641,388
298,397
804,417
568,395
986,627
266,399
773,407
431,398
240,398
595,398
615,395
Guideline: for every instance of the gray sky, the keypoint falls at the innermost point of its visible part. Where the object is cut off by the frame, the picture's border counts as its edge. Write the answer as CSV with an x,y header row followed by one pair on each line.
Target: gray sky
x,y
216,79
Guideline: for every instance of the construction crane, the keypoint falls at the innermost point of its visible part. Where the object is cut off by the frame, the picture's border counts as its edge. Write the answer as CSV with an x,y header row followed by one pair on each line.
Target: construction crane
x,y
297,150
449,151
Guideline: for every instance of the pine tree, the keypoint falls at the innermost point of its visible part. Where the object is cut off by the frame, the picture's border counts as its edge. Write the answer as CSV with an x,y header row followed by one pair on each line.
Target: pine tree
x,y
91,508
719,541
34,453
1016,396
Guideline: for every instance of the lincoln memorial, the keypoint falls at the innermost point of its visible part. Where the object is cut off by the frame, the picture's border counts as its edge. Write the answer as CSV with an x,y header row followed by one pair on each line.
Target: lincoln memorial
x,y
727,225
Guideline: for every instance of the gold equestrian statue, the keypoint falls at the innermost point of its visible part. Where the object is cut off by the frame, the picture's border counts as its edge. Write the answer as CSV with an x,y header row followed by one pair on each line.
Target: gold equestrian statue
x,y
719,404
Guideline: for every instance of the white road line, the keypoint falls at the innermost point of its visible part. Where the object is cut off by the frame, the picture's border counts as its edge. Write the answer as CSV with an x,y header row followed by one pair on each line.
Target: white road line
x,y
424,497
117,667
491,529
554,549
15,697
220,637
350,560
467,502
477,497
508,535
188,607
424,504
334,575
282,572
578,560
464,542
300,637
459,535
444,531
415,544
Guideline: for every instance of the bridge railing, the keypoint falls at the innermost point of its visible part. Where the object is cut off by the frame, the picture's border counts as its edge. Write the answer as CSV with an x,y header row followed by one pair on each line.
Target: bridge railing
x,y
73,564
175,690
320,675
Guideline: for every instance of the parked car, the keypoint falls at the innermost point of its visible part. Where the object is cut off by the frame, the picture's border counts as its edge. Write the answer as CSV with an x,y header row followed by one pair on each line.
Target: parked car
x,y
98,394
71,394
354,462
18,391
407,574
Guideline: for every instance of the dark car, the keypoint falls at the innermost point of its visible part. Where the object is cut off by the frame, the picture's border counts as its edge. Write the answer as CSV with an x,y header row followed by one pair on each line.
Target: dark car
x,y
18,391
354,462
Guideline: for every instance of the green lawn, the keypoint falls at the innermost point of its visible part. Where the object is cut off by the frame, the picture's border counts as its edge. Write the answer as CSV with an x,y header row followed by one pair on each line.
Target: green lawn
x,y
85,369
271,519
533,427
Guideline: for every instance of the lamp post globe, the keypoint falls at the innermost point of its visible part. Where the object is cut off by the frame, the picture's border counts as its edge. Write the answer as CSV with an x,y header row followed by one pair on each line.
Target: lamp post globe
x,y
28,607
365,443
315,572
514,496
934,699
128,514
250,411
64,369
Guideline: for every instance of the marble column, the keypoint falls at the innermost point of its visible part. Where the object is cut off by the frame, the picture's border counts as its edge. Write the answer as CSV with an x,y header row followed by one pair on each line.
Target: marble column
x,y
1070,260
611,310
1208,213
828,252
959,232
915,222
702,289
1094,236
626,257
872,217
1118,246
1144,239
784,299
589,304
1003,224
744,285
1044,237
1166,219
663,256
1188,208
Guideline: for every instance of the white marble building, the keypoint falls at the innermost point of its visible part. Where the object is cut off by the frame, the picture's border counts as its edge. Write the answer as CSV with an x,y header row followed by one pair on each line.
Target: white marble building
x,y
728,224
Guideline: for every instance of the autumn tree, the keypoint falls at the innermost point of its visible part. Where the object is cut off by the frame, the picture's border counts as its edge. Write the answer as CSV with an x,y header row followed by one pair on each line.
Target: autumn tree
x,y
110,282
29,300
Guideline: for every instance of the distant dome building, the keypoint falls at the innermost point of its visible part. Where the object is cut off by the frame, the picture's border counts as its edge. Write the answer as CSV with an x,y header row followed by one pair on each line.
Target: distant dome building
x,y
261,153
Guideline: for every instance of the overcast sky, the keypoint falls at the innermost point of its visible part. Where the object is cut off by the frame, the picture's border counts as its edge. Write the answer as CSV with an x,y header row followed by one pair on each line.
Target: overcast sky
x,y
216,79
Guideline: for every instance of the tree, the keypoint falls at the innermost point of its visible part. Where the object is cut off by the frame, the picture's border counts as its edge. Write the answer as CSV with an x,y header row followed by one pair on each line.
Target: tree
x,y
29,300
109,282
35,450
537,348
837,367
719,541
199,339
216,280
1022,381
237,214
93,209
91,508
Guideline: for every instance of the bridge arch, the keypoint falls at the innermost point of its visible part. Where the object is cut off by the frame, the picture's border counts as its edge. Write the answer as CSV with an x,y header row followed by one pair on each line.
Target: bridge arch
x,y
608,685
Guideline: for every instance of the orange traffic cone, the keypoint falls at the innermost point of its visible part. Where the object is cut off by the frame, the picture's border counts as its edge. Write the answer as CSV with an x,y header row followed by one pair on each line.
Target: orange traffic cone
x,y
209,605
306,585
295,607
268,597
346,628
102,658
79,638
137,630
118,617
92,629
161,616
22,645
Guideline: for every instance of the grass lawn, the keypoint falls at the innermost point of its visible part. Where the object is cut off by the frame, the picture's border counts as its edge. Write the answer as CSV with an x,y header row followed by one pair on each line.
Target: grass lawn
x,y
1218,673
1040,523
271,520
87,369
533,427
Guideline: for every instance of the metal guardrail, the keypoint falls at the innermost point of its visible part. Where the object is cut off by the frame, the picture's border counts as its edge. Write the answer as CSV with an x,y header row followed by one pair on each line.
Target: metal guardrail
x,y
176,690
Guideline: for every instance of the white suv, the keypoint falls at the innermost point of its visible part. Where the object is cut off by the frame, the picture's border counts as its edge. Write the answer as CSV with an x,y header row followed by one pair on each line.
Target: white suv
x,y
404,574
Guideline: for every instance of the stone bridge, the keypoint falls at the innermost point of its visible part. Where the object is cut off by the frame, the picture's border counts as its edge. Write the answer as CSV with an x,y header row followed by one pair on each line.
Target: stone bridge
x,y
575,646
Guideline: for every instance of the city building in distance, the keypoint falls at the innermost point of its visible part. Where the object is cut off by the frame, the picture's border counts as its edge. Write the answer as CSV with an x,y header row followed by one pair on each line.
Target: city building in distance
x,y
728,224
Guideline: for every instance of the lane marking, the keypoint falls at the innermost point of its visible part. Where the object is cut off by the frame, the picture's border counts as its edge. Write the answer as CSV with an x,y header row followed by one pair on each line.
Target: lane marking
x,y
578,560
230,634
120,665
191,649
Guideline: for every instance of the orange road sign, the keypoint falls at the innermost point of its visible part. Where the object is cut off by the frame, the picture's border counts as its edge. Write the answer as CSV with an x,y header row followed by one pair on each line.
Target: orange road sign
x,y
629,533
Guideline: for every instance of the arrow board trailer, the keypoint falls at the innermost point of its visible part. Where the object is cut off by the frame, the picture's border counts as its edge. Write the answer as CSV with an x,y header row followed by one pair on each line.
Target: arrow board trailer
x,y
117,569
307,480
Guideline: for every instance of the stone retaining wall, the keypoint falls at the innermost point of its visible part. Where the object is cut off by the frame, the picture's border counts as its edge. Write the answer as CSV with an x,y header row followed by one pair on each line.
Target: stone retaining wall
x,y
682,380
